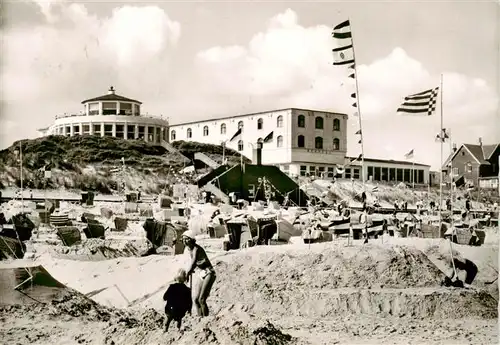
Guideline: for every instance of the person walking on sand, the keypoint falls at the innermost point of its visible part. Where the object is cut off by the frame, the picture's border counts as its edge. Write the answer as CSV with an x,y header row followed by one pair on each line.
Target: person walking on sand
x,y
178,298
201,263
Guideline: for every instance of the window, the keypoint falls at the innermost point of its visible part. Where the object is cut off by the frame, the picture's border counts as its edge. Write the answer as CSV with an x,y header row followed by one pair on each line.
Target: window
x,y
172,135
370,172
420,177
301,141
131,131
151,131
392,174
312,170
336,124
240,124
158,135
109,108
303,170
119,131
85,129
97,129
301,121
469,168
279,121
240,145
330,172
223,128
93,108
318,143
137,109
319,122
279,141
385,174
164,130
347,172
125,108
336,144
68,130
399,175
455,171
260,124
76,130
205,131
108,130
189,133
376,175
356,173
407,175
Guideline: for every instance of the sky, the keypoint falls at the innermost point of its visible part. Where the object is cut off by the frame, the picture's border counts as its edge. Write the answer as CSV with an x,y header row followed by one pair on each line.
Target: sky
x,y
199,60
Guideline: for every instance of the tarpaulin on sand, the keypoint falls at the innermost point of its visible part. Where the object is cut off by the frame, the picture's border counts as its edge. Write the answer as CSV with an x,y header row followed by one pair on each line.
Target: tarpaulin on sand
x,y
22,284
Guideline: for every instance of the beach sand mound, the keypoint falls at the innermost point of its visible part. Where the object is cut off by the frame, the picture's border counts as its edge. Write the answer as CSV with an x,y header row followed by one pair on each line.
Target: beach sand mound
x,y
374,280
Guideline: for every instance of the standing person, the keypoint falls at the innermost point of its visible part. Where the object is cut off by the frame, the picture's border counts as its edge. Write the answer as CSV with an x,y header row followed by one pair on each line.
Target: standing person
x,y
200,262
178,298
467,207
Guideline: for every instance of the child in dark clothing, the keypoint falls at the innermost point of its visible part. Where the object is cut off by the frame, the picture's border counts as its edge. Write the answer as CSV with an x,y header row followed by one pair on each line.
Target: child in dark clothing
x,y
179,301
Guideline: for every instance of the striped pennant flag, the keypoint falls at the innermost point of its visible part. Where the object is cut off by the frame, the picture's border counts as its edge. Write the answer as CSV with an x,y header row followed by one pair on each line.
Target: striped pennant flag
x,y
343,53
422,103
409,155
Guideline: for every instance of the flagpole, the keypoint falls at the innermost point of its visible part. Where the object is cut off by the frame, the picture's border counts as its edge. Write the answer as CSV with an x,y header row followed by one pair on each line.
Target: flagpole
x,y
21,166
442,137
359,111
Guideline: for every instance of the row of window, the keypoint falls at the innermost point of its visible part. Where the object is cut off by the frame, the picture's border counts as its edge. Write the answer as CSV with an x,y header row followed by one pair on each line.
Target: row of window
x,y
328,172
318,122
374,173
318,143
396,174
223,128
119,132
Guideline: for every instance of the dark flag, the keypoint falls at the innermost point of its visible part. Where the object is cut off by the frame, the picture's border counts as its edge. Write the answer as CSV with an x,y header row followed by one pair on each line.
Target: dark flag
x,y
236,135
269,137
422,103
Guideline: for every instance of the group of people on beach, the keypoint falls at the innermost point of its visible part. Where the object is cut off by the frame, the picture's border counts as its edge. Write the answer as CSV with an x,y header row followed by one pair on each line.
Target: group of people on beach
x,y
179,297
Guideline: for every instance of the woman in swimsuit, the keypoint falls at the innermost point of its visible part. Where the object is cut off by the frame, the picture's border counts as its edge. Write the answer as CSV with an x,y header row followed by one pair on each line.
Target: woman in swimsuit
x,y
200,261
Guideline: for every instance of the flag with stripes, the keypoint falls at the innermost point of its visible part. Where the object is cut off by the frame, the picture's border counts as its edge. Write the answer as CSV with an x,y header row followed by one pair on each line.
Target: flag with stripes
x,y
375,189
409,155
236,135
422,103
343,53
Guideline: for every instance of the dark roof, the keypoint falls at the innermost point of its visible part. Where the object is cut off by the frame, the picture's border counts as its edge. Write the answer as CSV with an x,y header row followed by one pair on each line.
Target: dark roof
x,y
374,160
480,152
488,150
111,97
250,114
477,152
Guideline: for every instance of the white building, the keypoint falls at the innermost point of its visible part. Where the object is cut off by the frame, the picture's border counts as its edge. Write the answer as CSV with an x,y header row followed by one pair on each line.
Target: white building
x,y
300,137
110,115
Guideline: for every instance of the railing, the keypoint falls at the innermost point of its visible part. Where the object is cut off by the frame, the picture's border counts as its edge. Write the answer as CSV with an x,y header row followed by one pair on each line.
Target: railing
x,y
83,114
205,159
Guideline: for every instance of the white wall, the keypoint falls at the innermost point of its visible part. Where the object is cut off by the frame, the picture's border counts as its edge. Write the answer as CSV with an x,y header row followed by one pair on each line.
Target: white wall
x,y
271,154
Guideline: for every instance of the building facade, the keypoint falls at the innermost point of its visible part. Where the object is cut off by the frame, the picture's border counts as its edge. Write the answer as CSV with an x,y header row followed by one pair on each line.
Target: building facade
x,y
474,163
110,115
291,137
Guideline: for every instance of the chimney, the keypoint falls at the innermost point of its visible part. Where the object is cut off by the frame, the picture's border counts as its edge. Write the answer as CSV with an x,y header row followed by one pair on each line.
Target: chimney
x,y
111,90
480,141
259,153
454,147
